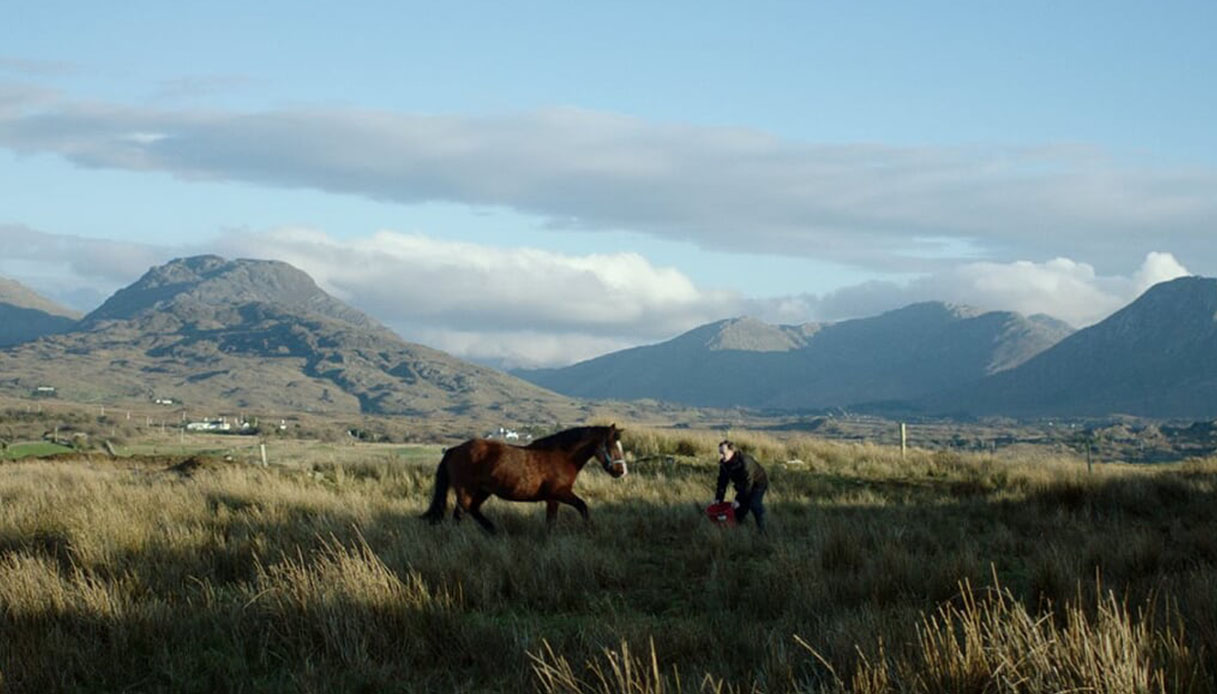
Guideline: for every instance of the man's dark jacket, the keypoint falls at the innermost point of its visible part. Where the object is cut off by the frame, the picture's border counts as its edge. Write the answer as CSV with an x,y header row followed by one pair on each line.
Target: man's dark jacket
x,y
744,473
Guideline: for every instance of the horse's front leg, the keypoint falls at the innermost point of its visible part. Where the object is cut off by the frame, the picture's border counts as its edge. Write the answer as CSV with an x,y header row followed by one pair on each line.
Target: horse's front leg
x,y
551,512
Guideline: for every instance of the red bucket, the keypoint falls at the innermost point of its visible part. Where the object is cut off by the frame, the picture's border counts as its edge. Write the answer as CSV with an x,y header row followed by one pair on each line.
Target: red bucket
x,y
721,513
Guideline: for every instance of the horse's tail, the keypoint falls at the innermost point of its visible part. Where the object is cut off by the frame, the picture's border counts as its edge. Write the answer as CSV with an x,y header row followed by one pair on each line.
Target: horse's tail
x,y
439,497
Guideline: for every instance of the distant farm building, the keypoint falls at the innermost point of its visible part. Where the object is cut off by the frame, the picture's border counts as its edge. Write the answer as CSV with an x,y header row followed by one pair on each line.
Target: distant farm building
x,y
507,434
220,424
236,425
163,401
44,392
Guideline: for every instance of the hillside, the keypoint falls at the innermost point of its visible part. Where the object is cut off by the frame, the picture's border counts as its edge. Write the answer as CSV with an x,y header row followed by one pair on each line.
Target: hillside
x,y
898,355
25,315
1154,358
258,335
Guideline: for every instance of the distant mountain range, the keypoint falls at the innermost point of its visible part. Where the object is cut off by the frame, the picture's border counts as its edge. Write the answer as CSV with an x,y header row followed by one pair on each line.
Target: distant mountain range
x,y
897,356
254,334
25,315
260,335
1153,358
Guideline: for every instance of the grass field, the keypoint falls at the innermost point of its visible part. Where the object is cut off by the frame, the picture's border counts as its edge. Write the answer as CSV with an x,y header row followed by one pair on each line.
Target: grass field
x,y
32,449
937,572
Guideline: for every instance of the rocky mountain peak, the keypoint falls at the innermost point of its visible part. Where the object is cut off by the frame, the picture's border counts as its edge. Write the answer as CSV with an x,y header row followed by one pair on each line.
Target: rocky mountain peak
x,y
198,285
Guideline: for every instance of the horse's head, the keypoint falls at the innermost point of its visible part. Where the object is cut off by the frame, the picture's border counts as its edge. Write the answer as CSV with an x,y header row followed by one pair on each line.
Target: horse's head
x,y
610,453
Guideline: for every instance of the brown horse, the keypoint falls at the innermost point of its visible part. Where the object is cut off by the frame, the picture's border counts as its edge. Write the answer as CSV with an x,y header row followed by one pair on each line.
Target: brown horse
x,y
544,470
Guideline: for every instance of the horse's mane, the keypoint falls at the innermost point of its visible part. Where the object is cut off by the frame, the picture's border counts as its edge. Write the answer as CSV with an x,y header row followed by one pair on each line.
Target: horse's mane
x,y
568,438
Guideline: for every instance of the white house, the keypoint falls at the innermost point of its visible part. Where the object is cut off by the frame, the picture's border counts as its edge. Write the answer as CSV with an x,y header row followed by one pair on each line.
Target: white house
x,y
506,434
220,424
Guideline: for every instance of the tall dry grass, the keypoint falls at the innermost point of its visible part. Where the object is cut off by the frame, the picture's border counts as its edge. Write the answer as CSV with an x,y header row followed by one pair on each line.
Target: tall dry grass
x,y
978,643
318,576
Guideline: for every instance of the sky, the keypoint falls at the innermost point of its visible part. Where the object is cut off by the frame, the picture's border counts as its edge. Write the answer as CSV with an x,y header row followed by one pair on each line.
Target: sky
x,y
536,183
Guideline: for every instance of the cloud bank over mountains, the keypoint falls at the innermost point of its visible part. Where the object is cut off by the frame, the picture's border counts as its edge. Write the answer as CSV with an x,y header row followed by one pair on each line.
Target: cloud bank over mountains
x,y
882,207
529,307
1063,288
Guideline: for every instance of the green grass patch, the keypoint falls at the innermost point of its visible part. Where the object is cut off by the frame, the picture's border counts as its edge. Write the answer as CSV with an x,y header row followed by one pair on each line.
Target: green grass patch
x,y
420,453
33,449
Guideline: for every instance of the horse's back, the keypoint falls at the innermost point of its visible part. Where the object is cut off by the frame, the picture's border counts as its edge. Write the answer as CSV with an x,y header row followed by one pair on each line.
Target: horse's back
x,y
508,471
479,455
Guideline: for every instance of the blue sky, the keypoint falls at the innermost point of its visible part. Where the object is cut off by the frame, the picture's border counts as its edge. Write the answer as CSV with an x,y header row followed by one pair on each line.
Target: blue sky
x,y
613,174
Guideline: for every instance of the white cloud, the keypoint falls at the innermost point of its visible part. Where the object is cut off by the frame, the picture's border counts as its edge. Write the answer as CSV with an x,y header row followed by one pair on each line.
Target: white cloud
x,y
517,306
884,207
100,259
1063,288
520,306
511,306
519,348
1158,267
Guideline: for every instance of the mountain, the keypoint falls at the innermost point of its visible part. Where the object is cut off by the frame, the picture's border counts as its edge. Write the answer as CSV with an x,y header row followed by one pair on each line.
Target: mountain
x,y
191,288
898,355
1156,357
257,335
25,315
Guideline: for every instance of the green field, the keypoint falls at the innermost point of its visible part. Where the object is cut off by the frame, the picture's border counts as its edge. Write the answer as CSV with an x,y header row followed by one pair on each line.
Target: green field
x,y
32,449
935,572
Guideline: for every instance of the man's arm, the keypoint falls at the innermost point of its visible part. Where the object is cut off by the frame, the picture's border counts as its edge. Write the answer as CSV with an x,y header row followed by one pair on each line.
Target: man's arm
x,y
757,477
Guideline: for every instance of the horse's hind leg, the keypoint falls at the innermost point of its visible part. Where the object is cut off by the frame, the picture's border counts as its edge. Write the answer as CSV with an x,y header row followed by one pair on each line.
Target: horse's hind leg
x,y
463,501
475,510
572,500
551,513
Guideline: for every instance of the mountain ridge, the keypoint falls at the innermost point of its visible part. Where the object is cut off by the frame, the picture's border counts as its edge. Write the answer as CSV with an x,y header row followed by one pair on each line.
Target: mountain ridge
x,y
1154,357
812,365
26,315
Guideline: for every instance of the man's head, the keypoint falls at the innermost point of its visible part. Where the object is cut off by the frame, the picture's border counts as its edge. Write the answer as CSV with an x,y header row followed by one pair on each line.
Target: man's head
x,y
726,450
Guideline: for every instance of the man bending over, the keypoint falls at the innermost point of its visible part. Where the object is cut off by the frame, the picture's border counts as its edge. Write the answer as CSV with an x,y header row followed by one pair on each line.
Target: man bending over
x,y
749,479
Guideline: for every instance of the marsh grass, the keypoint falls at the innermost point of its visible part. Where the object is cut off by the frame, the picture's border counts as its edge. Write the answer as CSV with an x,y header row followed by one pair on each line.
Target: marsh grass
x,y
932,572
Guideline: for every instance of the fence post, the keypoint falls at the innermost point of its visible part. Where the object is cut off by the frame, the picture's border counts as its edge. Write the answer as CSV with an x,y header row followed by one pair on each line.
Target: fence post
x,y
904,438
262,448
